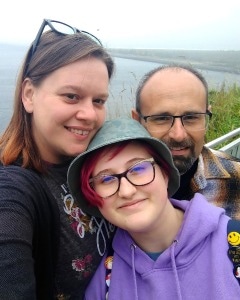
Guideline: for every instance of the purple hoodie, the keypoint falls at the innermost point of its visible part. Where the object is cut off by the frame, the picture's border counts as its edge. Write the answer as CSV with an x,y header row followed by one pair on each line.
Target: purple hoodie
x,y
196,266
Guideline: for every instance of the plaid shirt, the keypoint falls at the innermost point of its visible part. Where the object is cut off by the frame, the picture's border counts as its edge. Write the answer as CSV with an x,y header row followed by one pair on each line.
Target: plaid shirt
x,y
218,179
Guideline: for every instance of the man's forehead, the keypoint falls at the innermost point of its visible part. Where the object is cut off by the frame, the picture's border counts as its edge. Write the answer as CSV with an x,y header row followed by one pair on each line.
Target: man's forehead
x,y
173,72
172,97
173,81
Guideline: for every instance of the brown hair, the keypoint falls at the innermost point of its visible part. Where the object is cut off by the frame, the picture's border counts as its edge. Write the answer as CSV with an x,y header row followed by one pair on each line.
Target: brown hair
x,y
53,52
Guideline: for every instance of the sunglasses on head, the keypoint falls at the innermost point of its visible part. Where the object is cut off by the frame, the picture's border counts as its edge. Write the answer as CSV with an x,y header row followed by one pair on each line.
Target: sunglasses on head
x,y
59,27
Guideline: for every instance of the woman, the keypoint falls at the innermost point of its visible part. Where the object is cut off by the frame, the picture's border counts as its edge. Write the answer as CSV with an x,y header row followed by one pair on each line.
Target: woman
x,y
49,248
166,248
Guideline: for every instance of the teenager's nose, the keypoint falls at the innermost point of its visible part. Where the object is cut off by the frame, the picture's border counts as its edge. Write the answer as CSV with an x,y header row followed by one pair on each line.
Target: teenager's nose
x,y
126,189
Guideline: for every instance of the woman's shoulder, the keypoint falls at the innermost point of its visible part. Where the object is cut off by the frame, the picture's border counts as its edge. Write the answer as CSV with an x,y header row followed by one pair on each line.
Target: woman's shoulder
x,y
26,187
16,181
14,174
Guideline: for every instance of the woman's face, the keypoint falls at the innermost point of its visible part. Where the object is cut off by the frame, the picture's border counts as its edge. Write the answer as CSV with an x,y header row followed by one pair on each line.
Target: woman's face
x,y
133,208
67,108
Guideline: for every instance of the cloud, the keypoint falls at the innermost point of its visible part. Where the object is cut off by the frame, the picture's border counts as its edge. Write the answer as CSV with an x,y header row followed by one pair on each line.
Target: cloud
x,y
153,23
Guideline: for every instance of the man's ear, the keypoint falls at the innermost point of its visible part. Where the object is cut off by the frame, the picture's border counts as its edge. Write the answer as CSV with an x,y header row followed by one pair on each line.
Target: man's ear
x,y
27,95
135,115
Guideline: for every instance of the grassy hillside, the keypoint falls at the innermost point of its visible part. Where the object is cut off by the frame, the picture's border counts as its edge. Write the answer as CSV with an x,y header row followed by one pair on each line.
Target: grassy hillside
x,y
226,111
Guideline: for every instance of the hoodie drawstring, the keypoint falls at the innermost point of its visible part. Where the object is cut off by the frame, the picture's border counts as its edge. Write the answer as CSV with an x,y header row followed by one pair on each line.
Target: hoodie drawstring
x,y
175,270
179,294
133,247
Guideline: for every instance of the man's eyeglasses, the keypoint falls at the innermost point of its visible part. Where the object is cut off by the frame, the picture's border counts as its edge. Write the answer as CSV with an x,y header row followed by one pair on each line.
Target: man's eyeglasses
x,y
191,122
141,173
59,27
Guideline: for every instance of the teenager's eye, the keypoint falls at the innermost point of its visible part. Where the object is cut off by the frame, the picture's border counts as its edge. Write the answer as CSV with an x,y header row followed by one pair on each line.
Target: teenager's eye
x,y
141,168
137,169
107,179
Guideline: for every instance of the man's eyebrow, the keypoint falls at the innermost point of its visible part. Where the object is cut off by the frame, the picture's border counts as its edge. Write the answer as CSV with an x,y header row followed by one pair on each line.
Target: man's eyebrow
x,y
188,112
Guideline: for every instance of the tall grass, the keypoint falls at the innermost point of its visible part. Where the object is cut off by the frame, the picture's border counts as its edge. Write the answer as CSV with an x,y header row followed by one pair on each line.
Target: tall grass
x,y
225,106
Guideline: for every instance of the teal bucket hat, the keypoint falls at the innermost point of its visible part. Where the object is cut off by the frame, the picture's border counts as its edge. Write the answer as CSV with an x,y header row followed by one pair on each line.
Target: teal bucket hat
x,y
112,132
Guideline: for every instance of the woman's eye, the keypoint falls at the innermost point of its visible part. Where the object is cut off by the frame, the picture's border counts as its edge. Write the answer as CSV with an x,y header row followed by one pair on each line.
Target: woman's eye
x,y
99,101
71,96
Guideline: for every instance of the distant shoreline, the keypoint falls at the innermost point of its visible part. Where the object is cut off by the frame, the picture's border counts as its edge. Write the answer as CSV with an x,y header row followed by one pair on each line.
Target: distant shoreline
x,y
212,60
219,61
167,61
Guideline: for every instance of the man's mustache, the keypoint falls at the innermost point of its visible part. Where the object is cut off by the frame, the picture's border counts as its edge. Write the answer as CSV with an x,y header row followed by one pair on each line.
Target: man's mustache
x,y
182,144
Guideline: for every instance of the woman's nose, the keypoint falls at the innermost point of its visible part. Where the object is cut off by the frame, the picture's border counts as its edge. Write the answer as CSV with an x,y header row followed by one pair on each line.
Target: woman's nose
x,y
86,111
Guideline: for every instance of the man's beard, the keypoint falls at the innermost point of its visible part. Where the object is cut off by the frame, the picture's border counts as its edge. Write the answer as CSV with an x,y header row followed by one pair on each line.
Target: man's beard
x,y
182,163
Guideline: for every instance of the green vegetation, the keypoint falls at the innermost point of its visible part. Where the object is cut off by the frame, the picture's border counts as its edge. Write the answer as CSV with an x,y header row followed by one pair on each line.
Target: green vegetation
x,y
225,105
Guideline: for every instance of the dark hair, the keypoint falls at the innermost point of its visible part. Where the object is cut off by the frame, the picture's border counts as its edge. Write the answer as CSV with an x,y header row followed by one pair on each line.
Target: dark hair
x,y
53,52
176,67
91,159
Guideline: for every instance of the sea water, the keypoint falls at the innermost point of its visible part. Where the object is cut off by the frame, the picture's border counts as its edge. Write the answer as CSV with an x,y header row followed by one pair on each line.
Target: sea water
x,y
122,87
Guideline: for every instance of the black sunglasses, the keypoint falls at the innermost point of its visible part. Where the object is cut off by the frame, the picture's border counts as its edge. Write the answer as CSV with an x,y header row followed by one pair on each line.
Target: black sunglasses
x,y
59,27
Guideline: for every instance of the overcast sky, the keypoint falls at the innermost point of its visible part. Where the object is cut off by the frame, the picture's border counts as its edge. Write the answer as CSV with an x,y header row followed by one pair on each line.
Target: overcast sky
x,y
167,24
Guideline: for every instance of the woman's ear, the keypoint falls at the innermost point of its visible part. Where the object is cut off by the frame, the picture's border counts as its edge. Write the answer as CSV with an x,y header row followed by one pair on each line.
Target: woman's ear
x,y
27,95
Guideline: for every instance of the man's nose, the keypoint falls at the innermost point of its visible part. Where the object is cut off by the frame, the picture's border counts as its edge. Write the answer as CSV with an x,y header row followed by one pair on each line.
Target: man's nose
x,y
177,131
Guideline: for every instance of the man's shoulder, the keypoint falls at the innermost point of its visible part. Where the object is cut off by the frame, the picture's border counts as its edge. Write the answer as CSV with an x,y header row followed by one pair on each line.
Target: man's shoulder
x,y
218,155
218,164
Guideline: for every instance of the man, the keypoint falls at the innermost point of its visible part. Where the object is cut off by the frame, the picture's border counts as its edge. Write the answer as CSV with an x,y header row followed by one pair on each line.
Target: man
x,y
172,104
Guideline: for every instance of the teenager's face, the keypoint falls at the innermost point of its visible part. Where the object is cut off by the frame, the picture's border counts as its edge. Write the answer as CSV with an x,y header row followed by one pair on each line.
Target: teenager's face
x,y
175,92
67,108
133,208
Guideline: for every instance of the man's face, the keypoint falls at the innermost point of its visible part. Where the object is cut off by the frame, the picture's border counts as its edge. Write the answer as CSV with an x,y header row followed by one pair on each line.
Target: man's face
x,y
175,92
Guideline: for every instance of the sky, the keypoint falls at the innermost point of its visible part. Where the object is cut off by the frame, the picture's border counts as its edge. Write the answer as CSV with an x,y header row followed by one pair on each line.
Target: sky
x,y
161,24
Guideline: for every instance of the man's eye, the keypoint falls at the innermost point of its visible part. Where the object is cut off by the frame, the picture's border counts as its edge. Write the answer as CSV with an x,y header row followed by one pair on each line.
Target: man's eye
x,y
161,119
191,117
